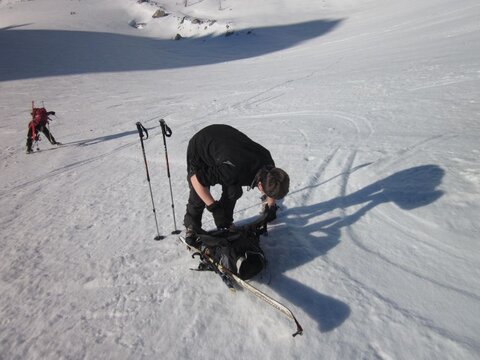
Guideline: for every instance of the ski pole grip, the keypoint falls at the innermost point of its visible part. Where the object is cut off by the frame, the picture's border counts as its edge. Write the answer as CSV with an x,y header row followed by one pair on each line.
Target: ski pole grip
x,y
141,129
165,129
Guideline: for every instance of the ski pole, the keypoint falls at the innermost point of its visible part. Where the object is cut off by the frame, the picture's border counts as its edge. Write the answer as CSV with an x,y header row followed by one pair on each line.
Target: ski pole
x,y
141,130
167,132
35,136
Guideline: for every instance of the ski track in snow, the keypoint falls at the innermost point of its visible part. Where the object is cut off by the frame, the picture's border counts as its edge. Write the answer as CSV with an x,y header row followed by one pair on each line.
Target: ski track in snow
x,y
409,314
383,163
355,239
314,182
63,169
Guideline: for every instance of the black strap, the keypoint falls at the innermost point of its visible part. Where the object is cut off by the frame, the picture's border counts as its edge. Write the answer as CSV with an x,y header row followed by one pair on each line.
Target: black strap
x,y
165,129
141,129
205,264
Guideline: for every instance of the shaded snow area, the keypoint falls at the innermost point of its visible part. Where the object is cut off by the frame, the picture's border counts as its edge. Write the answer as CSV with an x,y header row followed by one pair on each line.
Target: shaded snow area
x,y
372,107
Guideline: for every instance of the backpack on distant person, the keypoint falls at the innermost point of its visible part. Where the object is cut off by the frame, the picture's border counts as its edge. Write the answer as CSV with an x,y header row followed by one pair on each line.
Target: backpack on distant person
x,y
39,116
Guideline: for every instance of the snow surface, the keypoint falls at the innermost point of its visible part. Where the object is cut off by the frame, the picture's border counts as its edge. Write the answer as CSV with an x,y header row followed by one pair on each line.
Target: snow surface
x,y
371,106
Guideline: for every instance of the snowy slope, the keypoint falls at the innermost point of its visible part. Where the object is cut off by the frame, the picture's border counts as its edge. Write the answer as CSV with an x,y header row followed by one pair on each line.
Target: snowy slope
x,y
371,106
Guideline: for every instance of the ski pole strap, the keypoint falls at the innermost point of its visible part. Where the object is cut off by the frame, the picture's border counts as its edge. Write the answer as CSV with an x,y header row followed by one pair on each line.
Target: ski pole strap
x,y
141,129
165,129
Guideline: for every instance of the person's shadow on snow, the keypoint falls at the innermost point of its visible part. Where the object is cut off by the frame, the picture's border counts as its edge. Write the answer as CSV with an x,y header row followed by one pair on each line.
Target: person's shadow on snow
x,y
302,240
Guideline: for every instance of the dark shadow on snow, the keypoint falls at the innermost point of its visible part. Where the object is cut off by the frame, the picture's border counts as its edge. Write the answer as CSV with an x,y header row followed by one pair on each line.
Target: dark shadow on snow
x,y
94,141
40,53
305,241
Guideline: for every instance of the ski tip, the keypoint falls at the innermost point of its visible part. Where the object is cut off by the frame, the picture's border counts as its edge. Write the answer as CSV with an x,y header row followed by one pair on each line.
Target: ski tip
x,y
299,332
299,328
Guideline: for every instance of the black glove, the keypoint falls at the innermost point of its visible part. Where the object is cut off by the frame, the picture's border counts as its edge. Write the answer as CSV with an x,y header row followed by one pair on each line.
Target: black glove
x,y
270,212
51,113
218,215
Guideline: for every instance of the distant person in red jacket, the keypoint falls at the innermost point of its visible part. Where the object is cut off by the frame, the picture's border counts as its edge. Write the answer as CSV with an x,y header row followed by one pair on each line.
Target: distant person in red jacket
x,y
39,122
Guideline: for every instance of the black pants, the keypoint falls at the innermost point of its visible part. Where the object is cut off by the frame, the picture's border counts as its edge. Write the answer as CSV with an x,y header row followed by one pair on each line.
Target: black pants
x,y
195,206
32,133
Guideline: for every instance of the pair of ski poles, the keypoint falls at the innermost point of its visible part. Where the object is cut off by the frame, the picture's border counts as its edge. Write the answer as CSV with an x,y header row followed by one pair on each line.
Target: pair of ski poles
x,y
166,132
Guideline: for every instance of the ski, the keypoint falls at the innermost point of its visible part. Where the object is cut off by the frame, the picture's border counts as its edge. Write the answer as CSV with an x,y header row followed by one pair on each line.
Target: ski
x,y
234,279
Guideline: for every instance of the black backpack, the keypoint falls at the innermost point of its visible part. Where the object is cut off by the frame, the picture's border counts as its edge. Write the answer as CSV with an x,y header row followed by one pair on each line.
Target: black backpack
x,y
237,250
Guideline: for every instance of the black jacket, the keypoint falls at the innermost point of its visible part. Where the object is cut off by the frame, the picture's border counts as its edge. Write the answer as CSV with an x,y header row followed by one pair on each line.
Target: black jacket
x,y
220,154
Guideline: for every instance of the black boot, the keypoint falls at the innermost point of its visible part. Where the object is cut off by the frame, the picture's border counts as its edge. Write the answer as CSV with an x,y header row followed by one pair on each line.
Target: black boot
x,y
191,237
